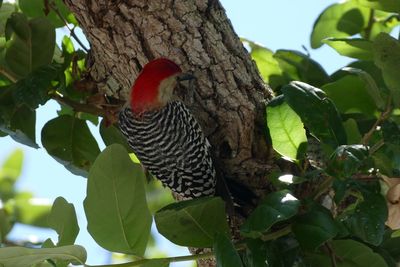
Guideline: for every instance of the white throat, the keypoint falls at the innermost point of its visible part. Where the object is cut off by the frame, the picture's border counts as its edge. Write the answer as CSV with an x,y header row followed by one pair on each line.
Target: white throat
x,y
166,89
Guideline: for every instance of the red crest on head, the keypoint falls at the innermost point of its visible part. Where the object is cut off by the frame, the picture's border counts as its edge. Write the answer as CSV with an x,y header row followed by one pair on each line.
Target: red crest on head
x,y
144,91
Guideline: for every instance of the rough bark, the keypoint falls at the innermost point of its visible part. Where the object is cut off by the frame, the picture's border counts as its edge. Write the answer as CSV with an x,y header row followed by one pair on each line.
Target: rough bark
x,y
228,97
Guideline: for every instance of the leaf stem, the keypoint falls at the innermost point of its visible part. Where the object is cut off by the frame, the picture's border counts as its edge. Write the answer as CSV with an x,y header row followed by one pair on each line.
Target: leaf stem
x,y
371,21
8,75
275,235
79,107
167,260
383,116
53,6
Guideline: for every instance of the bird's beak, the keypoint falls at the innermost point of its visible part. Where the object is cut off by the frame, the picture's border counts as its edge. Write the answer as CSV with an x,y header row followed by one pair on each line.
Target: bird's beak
x,y
185,77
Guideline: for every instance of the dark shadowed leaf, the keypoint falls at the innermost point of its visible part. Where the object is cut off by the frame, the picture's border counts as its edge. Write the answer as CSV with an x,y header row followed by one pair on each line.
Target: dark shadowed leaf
x,y
354,48
351,254
338,21
33,90
276,207
25,257
387,58
63,220
314,228
346,160
116,208
18,122
192,223
368,220
286,130
317,112
69,141
300,67
225,253
112,135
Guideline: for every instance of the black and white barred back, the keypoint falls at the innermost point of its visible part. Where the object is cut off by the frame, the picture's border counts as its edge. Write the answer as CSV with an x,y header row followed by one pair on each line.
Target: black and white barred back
x,y
171,145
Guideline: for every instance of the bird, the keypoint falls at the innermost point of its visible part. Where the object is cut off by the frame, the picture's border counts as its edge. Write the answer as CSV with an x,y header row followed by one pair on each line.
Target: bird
x,y
164,135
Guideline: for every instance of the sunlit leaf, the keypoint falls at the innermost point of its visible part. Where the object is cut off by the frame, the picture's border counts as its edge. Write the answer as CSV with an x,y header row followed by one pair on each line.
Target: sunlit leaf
x,y
354,48
338,21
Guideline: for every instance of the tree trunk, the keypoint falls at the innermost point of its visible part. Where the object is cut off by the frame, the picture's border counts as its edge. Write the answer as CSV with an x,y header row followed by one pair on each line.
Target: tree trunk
x,y
229,96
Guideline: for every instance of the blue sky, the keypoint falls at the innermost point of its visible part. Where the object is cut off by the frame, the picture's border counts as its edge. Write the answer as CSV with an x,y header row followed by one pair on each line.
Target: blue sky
x,y
284,24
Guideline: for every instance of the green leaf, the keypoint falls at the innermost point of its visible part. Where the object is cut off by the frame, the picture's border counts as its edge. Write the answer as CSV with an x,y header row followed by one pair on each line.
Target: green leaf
x,y
286,130
268,66
354,48
256,253
29,210
19,122
116,209
276,207
350,95
63,220
387,58
192,223
368,220
225,253
314,228
371,86
35,8
298,66
27,257
5,12
34,88
386,5
112,135
351,254
9,174
70,142
346,160
30,44
5,225
339,20
317,112
352,132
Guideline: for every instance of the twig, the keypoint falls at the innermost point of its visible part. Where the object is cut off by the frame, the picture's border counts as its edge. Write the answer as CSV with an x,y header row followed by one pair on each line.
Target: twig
x,y
275,235
8,75
383,116
53,6
80,107
370,24
331,254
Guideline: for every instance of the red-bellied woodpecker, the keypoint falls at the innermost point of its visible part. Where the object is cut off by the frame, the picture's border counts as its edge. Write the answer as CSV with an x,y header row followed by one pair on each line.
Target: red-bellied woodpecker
x,y
164,135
